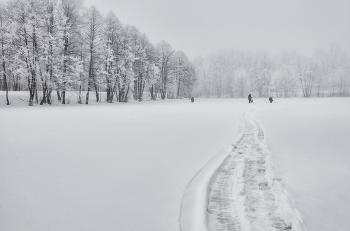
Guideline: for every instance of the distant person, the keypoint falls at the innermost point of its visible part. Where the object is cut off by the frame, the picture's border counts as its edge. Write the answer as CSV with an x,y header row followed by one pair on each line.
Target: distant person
x,y
250,99
192,99
270,99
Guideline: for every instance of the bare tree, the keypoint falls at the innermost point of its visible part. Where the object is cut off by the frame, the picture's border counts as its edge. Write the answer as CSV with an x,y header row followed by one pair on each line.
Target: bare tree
x,y
4,36
306,69
112,39
27,20
165,53
183,74
93,33
72,53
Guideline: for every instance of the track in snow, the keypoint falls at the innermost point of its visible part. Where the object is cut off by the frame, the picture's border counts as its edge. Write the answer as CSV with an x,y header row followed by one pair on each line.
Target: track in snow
x,y
244,194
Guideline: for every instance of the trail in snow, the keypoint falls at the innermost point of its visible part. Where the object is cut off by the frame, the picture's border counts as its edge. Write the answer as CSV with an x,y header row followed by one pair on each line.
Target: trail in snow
x,y
244,193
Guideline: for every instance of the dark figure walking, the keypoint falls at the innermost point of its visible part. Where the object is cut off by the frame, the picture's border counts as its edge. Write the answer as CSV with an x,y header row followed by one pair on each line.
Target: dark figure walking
x,y
192,99
270,99
250,99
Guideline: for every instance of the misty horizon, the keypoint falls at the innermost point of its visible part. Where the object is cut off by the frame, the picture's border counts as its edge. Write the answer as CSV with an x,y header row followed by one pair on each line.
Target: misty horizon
x,y
200,28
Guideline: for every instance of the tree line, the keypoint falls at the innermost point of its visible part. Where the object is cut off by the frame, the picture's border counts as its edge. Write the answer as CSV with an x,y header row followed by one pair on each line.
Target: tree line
x,y
234,73
49,47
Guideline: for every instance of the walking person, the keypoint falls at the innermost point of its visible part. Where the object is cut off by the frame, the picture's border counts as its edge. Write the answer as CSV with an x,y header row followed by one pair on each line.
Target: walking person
x,y
250,99
192,99
270,99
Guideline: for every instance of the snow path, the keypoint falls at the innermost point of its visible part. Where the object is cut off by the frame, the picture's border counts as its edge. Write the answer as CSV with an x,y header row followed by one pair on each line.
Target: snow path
x,y
243,192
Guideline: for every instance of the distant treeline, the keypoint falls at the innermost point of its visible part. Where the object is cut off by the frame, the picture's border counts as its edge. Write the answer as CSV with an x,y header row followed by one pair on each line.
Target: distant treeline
x,y
236,74
54,46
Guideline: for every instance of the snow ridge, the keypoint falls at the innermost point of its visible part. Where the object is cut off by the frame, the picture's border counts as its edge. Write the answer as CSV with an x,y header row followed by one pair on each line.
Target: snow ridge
x,y
193,211
245,194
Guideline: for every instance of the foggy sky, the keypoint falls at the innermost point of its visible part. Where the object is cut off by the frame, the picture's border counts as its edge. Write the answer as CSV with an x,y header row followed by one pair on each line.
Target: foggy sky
x,y
199,27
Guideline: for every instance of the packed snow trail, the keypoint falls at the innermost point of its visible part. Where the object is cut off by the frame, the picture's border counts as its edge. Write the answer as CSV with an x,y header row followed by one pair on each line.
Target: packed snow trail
x,y
239,189
244,193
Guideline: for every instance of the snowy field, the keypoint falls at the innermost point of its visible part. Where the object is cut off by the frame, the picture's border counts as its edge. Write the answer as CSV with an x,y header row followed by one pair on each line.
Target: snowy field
x,y
310,142
125,166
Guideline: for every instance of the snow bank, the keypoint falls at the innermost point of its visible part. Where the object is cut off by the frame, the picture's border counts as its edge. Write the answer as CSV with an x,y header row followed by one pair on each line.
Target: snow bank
x,y
193,216
285,204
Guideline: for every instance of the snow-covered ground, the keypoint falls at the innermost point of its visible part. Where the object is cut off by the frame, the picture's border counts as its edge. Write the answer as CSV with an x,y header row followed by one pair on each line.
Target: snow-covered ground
x,y
310,142
121,166
245,193
126,166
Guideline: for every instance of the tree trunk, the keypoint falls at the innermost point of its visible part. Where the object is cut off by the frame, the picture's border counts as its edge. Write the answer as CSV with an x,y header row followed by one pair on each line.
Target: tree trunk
x,y
126,95
43,100
48,96
178,87
89,81
58,95
63,93
79,99
4,69
152,92
87,96
65,54
109,91
4,72
142,88
96,91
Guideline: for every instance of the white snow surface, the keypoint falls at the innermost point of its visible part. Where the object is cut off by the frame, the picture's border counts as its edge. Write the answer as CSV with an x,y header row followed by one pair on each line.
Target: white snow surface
x,y
121,166
242,192
193,214
128,166
310,143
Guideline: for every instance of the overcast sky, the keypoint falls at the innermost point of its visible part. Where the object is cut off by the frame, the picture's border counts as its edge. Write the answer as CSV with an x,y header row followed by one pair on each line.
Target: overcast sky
x,y
199,27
